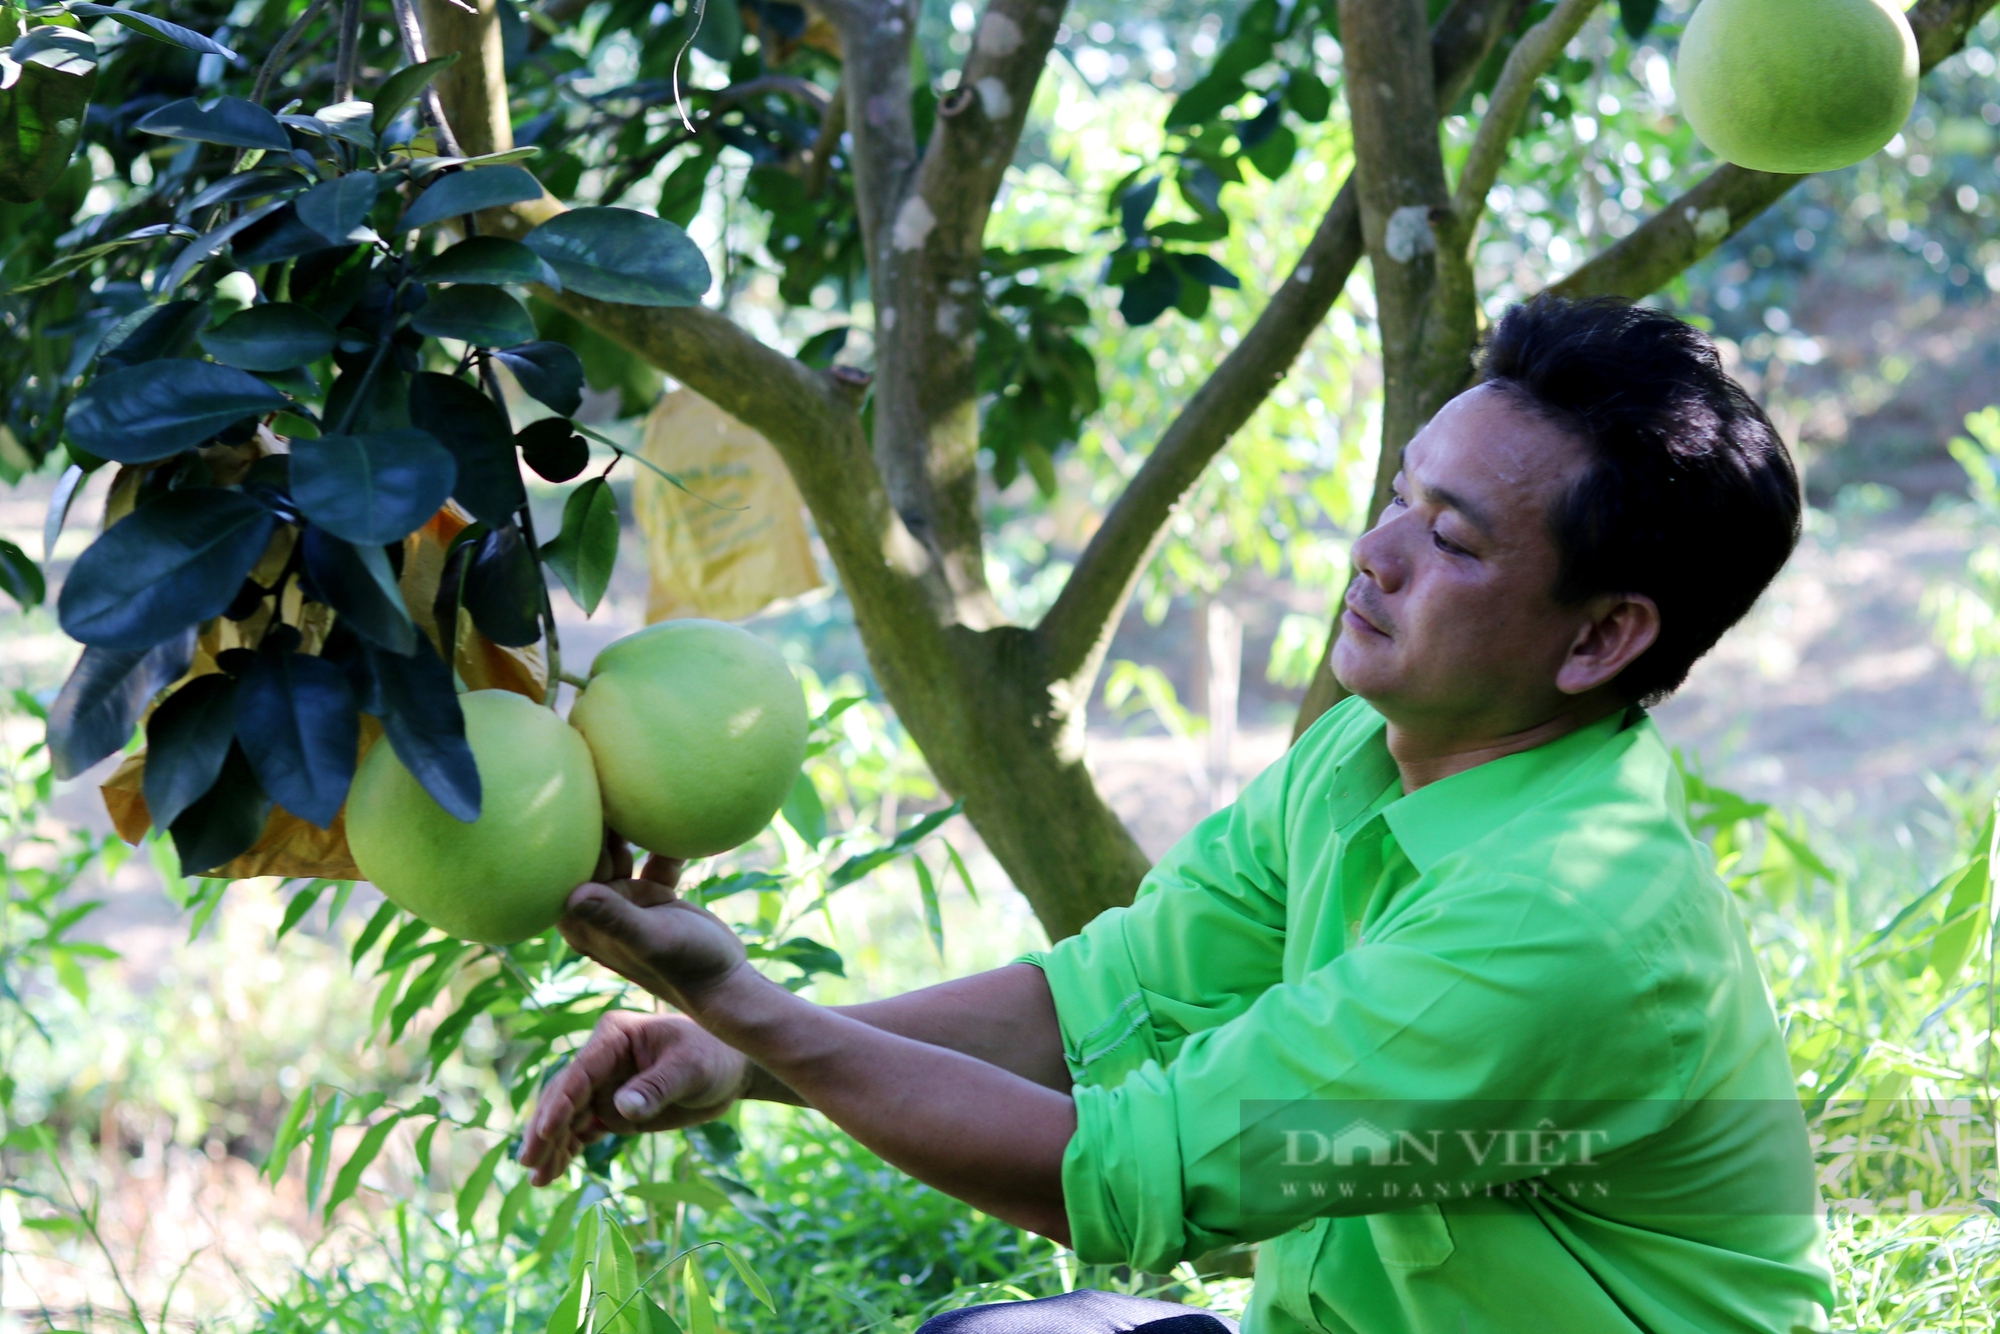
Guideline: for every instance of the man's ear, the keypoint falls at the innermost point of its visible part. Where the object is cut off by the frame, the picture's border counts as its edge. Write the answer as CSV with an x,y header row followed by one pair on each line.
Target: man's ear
x,y
1620,628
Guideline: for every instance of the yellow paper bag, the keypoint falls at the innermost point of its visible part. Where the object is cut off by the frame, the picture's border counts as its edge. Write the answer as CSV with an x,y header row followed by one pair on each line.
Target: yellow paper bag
x,y
738,543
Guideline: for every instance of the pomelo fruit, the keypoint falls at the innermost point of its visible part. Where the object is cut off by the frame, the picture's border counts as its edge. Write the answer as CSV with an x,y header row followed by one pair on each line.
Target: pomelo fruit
x,y
698,729
1796,85
505,876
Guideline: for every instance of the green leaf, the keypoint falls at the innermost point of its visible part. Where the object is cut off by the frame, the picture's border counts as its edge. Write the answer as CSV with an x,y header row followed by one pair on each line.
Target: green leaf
x,y
172,563
688,1190
372,932
187,740
423,1146
231,121
1306,94
750,1278
621,255
487,259
1207,99
359,584
475,1187
1965,917
933,918
553,449
659,1322
276,336
475,313
958,864
820,350
290,1131
551,373
476,431
371,489
1273,155
227,820
173,34
1637,16
301,905
701,1312
322,1145
804,811
463,192
20,578
568,1313
583,554
365,1153
402,87
338,209
856,867
41,116
617,1277
154,410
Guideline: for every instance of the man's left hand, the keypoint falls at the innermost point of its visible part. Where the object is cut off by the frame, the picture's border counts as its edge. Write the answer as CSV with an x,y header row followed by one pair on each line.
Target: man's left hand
x,y
643,930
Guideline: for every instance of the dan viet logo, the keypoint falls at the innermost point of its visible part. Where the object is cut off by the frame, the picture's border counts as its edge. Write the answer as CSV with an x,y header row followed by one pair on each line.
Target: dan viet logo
x,y
1363,1143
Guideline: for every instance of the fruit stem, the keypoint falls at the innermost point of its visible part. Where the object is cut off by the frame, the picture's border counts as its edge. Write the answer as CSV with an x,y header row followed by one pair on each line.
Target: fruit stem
x,y
527,518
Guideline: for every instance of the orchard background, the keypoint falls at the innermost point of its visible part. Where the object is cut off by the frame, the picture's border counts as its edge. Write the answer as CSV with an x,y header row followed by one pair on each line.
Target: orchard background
x,y
271,1104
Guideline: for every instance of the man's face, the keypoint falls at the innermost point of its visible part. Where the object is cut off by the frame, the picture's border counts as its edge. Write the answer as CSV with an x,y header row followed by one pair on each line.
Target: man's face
x,y
1450,622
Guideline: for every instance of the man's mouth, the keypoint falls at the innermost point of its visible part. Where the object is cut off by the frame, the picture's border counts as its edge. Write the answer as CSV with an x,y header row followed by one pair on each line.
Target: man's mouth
x,y
1360,622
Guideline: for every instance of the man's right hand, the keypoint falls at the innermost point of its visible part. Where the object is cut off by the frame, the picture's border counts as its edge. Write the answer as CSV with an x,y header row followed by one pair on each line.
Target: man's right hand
x,y
638,1072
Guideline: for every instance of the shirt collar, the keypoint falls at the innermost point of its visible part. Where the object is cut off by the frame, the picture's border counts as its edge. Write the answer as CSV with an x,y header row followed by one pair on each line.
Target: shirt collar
x,y
1453,813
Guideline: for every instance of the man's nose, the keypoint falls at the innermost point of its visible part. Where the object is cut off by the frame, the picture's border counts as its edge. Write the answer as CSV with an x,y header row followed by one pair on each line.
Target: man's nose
x,y
1377,553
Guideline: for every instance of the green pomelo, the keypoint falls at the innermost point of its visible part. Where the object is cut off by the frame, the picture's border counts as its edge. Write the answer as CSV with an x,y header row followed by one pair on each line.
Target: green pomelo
x,y
699,729
1796,86
505,876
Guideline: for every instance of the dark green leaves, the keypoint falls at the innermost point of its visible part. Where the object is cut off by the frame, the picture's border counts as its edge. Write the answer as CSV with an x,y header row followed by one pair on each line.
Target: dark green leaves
x,y
503,588
402,87
225,821
617,254
41,116
487,259
233,121
553,449
1637,16
273,337
356,581
99,705
820,350
583,554
173,34
156,409
375,488
422,719
296,722
20,578
551,373
474,429
187,739
338,209
477,314
152,332
463,192
173,562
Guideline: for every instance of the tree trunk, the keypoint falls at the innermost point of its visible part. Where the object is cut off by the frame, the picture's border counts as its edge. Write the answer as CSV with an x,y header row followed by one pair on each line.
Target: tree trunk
x,y
999,710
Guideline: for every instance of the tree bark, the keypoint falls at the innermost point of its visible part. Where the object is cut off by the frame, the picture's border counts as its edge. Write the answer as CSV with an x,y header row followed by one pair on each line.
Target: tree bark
x,y
998,711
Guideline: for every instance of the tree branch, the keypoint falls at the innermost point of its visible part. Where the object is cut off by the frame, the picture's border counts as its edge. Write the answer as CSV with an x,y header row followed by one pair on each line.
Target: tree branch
x,y
1076,630
1530,58
1724,202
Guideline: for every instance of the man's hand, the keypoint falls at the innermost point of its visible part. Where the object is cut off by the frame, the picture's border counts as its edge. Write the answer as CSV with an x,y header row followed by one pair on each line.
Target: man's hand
x,y
641,929
638,1072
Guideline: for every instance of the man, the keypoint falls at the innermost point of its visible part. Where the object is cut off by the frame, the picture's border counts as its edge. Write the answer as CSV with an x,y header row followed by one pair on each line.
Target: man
x,y
1465,909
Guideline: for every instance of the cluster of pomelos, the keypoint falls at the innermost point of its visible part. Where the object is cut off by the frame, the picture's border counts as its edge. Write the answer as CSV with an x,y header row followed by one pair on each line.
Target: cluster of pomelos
x,y
686,740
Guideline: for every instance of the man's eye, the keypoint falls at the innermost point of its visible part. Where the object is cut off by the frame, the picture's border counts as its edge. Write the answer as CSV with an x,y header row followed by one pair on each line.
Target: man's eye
x,y
1396,498
1446,544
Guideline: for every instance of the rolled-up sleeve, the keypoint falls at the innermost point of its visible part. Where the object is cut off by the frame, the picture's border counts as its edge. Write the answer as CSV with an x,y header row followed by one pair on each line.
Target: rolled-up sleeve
x,y
1204,936
1502,999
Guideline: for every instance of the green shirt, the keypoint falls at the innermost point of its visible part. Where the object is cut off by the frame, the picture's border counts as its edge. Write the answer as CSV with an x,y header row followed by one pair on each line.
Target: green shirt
x,y
1534,936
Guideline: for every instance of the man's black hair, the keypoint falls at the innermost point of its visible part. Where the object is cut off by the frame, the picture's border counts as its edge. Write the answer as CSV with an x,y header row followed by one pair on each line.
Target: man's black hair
x,y
1690,497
